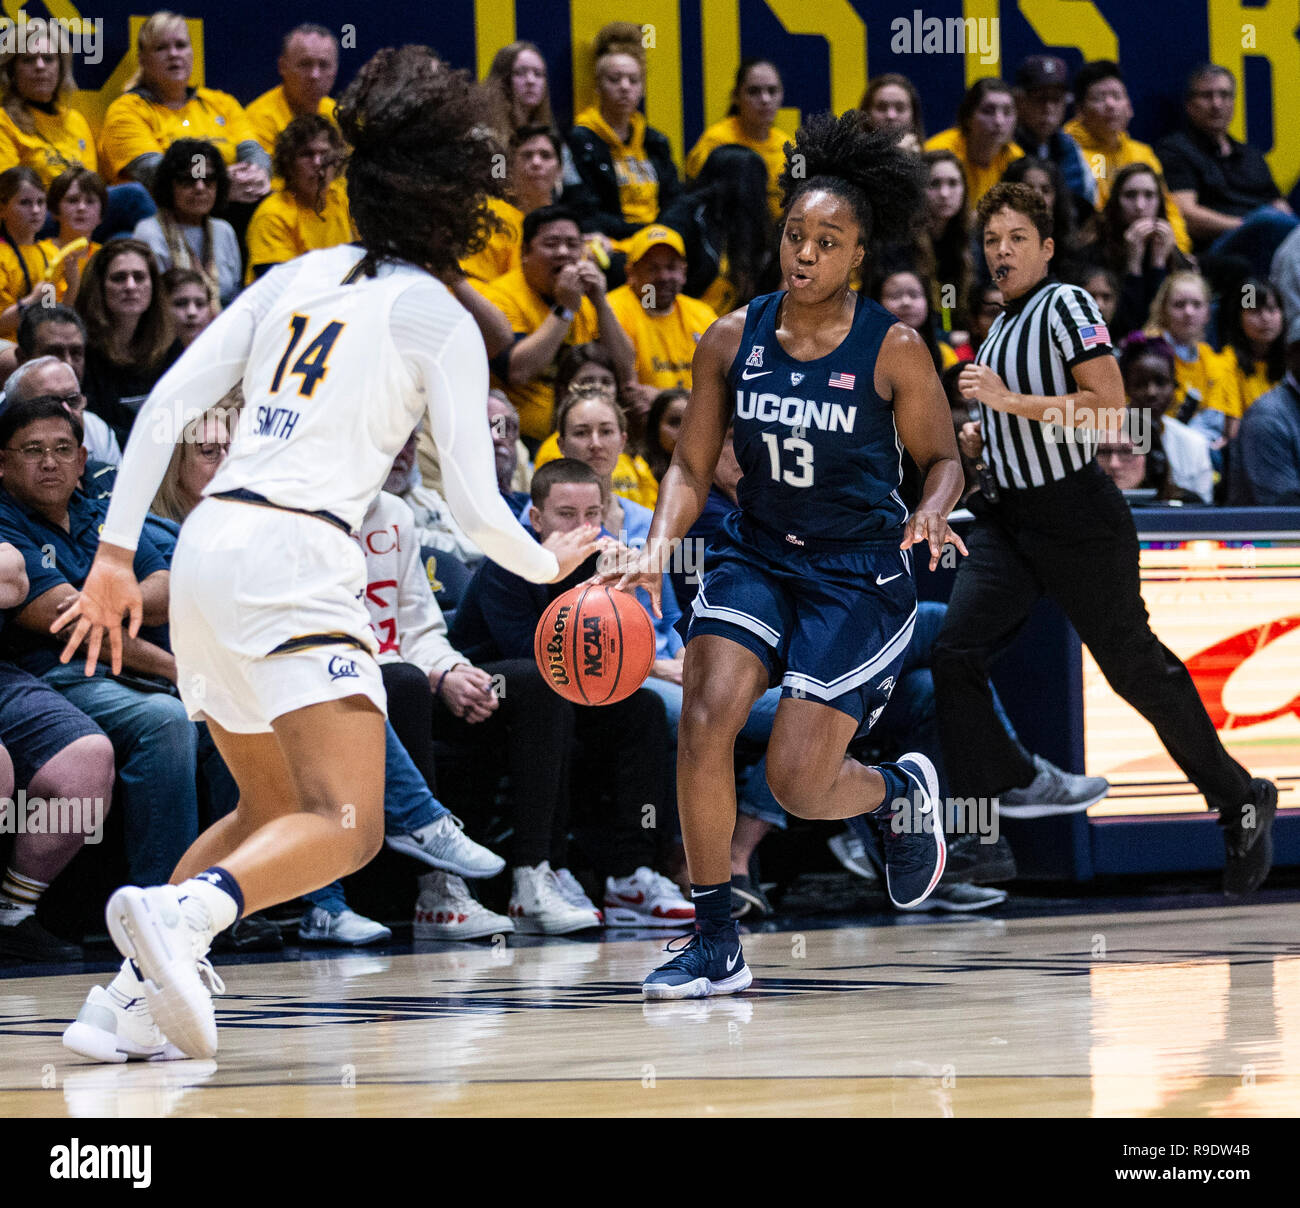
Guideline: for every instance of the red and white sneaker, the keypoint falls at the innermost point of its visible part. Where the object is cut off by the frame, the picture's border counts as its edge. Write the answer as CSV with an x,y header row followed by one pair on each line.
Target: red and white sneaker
x,y
538,908
445,910
646,899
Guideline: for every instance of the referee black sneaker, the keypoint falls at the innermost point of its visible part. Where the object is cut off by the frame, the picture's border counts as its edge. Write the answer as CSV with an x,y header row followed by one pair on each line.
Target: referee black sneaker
x,y
1248,840
911,833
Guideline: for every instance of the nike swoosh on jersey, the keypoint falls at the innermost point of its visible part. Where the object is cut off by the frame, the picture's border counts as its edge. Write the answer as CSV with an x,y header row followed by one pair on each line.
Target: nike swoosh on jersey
x,y
745,375
881,582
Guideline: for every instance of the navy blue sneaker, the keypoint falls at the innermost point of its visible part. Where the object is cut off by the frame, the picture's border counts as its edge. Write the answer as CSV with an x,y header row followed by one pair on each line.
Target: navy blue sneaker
x,y
911,834
702,968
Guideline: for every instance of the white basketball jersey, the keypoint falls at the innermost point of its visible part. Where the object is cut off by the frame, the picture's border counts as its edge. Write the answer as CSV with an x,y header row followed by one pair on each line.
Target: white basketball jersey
x,y
328,400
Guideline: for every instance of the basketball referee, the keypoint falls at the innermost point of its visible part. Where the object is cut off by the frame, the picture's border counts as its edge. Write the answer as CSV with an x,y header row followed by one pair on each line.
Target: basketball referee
x,y
1045,380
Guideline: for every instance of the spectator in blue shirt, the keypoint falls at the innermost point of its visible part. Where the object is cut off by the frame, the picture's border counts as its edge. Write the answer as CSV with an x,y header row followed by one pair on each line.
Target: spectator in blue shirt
x,y
1266,461
1042,97
56,529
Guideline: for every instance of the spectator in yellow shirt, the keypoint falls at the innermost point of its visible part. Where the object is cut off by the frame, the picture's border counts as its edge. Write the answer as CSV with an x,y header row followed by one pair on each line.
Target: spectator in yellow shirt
x,y
310,210
24,260
77,200
308,66
1100,127
755,100
891,102
663,324
1181,312
159,106
1252,326
555,297
983,136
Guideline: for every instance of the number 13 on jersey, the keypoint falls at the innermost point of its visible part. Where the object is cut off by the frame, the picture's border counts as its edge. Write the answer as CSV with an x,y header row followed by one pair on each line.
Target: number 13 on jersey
x,y
801,475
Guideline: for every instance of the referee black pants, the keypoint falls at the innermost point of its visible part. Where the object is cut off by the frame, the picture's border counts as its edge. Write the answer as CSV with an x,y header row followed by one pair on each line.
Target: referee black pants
x,y
1073,540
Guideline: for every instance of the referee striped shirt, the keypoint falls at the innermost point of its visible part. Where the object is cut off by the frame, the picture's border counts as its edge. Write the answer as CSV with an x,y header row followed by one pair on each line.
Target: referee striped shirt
x,y
1032,346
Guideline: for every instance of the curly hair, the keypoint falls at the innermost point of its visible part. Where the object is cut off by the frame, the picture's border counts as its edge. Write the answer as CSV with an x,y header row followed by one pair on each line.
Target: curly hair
x,y
423,160
1019,198
885,186
178,163
619,38
300,134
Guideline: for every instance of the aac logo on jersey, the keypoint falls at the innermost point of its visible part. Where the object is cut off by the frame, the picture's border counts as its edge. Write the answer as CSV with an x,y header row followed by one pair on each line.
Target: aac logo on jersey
x,y
341,668
755,360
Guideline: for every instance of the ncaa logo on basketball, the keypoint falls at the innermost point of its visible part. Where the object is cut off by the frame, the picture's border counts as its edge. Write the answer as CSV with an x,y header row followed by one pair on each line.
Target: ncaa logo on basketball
x,y
593,651
341,668
755,360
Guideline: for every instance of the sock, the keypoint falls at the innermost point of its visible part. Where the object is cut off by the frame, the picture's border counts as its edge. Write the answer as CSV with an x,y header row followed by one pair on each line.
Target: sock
x,y
18,897
127,986
712,907
897,787
219,892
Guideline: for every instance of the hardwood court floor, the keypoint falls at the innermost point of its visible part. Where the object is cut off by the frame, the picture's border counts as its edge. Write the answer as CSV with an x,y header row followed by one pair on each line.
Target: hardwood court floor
x,y
1160,1013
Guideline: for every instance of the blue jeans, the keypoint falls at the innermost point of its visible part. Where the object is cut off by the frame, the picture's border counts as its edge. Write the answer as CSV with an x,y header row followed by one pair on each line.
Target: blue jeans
x,y
1259,236
408,806
156,747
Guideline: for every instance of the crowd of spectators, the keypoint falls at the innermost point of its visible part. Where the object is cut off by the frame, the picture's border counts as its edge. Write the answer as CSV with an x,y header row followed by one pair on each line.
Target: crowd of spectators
x,y
592,285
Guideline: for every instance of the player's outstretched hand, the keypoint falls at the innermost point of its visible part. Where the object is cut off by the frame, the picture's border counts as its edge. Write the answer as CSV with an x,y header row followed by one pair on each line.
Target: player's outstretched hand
x,y
629,569
110,594
573,548
934,528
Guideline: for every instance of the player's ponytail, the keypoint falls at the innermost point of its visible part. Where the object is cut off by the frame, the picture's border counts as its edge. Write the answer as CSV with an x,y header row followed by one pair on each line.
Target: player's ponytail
x,y
884,185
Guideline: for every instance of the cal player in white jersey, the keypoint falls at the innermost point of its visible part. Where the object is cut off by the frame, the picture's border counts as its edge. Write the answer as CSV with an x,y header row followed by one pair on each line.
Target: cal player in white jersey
x,y
340,353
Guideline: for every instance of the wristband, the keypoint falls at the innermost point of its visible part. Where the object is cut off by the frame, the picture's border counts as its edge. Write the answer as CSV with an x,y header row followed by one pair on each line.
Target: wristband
x,y
437,692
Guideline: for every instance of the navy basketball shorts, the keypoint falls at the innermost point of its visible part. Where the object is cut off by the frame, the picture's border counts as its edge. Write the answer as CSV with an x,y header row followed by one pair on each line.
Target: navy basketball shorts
x,y
831,627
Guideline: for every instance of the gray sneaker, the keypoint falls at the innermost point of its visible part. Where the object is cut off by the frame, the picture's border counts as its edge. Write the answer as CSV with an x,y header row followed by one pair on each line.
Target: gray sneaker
x,y
444,845
1052,791
851,851
959,898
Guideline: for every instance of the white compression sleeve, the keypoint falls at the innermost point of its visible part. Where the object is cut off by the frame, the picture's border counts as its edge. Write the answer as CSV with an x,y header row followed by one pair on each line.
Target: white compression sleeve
x,y
206,370
451,366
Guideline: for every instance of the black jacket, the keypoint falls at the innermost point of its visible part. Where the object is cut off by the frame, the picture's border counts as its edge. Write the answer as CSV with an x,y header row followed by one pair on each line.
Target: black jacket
x,y
595,196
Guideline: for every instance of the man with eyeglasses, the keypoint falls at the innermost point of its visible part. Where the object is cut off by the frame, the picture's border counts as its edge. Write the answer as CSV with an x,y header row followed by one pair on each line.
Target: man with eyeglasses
x,y
55,526
1224,188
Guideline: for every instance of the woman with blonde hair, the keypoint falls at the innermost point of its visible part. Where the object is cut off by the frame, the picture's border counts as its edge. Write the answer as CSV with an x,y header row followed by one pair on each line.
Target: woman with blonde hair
x,y
159,106
623,167
199,452
1180,312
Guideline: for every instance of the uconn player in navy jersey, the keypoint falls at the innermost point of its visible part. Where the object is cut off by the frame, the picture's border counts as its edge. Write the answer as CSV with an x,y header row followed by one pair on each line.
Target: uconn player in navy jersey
x,y
341,353
810,584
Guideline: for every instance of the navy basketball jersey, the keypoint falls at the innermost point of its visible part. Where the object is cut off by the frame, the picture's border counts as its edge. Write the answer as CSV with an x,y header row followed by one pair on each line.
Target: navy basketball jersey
x,y
818,447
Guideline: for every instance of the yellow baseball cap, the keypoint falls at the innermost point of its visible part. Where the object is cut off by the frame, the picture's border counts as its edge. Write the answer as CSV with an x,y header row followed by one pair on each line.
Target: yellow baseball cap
x,y
651,236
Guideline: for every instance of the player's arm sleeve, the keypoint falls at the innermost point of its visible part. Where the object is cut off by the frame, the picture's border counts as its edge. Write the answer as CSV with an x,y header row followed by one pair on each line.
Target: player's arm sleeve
x,y
198,380
450,367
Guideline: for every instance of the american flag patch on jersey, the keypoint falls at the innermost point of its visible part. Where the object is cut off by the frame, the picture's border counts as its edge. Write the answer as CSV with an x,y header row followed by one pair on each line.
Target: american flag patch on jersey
x,y
843,380
1094,335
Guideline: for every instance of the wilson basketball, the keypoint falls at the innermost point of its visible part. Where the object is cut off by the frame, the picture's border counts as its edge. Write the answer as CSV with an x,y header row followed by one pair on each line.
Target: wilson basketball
x,y
594,645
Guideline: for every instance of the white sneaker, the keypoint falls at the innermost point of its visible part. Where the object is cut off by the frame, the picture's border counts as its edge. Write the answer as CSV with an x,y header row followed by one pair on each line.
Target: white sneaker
x,y
166,934
538,907
443,844
115,1025
445,910
646,899
319,926
572,892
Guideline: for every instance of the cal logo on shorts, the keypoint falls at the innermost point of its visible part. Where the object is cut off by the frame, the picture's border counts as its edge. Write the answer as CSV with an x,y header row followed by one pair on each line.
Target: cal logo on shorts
x,y
341,668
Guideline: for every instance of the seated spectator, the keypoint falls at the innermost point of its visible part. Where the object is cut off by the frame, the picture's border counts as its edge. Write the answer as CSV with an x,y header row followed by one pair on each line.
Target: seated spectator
x,y
190,187
947,235
1254,346
983,136
519,91
662,428
984,305
1100,127
624,746
1042,98
1044,177
663,324
309,208
1103,285
1224,188
130,332
756,100
905,293
536,168
189,301
158,106
726,227
57,334
50,376
51,750
623,170
1285,274
555,297
308,66
24,259
1136,242
1177,462
1180,312
56,528
1266,453
78,202
590,414
891,102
